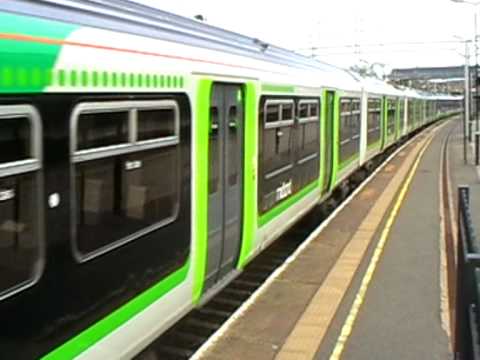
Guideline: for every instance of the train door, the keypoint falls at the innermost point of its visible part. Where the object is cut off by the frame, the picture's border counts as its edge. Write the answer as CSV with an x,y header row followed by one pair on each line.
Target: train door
x,y
329,119
383,122
225,180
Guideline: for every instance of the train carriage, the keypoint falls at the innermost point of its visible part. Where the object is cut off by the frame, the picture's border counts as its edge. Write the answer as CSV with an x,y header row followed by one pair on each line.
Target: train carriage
x,y
145,160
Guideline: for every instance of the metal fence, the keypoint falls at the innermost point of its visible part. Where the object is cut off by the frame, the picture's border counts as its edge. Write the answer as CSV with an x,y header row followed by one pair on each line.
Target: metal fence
x,y
467,312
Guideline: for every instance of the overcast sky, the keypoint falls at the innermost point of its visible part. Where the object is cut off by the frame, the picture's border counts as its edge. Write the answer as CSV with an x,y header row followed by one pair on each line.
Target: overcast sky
x,y
346,32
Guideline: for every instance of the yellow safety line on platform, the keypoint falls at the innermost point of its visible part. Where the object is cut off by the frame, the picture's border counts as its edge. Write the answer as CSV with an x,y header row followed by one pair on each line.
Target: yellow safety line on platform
x,y
360,297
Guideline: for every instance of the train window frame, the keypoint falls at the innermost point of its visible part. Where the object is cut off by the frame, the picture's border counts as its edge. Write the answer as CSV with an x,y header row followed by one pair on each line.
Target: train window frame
x,y
131,147
33,164
132,108
345,120
278,125
165,105
281,122
391,113
377,110
310,118
353,117
401,109
356,114
349,125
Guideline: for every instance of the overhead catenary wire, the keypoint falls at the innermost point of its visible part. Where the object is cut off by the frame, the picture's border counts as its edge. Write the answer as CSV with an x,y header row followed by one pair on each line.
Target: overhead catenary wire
x,y
388,51
381,44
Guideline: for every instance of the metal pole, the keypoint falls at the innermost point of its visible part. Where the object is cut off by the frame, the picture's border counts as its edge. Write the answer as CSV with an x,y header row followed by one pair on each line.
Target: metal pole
x,y
477,93
477,123
477,149
466,118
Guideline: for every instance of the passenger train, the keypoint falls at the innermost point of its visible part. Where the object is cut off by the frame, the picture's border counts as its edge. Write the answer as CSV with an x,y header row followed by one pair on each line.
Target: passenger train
x,y
146,158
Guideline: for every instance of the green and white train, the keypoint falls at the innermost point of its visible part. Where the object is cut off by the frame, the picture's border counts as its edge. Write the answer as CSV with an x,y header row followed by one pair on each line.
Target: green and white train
x,y
146,158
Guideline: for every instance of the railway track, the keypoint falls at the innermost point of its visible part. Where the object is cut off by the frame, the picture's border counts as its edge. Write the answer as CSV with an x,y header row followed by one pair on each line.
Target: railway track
x,y
191,332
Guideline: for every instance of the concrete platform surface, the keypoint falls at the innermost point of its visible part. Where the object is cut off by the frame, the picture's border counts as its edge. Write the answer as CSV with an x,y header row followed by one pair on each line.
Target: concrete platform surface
x,y
293,303
401,314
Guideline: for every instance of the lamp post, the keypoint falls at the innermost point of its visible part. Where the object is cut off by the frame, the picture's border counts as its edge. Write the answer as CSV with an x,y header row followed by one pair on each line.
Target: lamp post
x,y
467,129
466,97
467,80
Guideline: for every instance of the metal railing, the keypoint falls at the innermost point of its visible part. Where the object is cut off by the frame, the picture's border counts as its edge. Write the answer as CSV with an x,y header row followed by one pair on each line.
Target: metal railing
x,y
467,312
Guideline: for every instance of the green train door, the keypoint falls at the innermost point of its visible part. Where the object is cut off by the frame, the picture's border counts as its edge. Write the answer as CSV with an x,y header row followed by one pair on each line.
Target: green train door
x,y
328,148
225,180
384,122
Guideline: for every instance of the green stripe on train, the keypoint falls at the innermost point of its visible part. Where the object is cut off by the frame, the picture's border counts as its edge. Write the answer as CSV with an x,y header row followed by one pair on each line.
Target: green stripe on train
x,y
322,128
108,324
26,67
278,88
348,162
201,188
249,175
114,79
384,121
336,140
277,210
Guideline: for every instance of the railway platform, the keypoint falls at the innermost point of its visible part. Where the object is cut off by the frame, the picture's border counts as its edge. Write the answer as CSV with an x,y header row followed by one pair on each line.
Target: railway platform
x,y
372,282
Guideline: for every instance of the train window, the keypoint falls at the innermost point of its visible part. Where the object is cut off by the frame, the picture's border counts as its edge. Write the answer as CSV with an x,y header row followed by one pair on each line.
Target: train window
x,y
20,190
15,139
356,115
277,144
289,147
356,118
307,111
278,113
233,146
308,145
156,123
102,129
350,115
287,111
410,113
272,113
374,111
303,110
391,115
308,129
123,194
277,147
401,111
345,119
214,154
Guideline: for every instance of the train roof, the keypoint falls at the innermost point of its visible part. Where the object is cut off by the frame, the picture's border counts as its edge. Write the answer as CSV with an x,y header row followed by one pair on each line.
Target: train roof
x,y
130,17
376,86
245,56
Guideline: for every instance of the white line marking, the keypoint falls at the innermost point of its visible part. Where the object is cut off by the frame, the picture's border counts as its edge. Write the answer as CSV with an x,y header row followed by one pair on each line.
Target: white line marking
x,y
444,298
